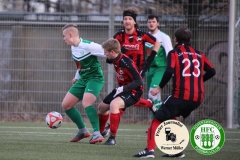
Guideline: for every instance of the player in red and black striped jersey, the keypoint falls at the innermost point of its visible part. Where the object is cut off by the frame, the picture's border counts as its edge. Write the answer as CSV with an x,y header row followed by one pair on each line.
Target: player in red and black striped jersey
x,y
127,94
132,42
189,69
127,74
187,65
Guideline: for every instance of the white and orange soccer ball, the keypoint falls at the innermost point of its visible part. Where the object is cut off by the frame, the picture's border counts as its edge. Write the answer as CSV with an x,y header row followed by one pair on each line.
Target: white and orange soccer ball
x,y
54,120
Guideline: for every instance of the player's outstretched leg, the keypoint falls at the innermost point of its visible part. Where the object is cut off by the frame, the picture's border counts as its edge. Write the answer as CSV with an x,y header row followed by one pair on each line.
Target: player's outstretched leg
x,y
145,103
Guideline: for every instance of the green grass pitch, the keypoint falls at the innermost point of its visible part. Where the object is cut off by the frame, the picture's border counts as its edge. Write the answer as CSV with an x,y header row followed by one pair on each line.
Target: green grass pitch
x,y
35,141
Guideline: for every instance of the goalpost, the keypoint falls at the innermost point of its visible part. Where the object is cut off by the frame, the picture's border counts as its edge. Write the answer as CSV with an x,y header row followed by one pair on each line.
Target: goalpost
x,y
236,91
233,65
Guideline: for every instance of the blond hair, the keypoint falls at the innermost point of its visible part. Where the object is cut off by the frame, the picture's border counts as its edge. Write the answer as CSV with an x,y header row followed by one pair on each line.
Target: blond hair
x,y
69,25
111,45
71,28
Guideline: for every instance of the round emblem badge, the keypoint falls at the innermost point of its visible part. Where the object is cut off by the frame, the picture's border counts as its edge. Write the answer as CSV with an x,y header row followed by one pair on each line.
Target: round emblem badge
x,y
207,137
171,137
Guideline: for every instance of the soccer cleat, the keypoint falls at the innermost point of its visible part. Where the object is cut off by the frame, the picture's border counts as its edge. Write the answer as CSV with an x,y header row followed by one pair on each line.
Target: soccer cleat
x,y
106,132
97,137
82,133
144,154
111,140
179,155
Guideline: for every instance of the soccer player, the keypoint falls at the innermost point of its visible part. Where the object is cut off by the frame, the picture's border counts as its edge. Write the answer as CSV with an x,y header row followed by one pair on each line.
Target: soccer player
x,y
158,66
190,68
87,83
132,42
127,94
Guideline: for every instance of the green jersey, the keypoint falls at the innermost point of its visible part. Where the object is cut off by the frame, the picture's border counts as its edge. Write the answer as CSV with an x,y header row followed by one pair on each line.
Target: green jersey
x,y
160,59
85,56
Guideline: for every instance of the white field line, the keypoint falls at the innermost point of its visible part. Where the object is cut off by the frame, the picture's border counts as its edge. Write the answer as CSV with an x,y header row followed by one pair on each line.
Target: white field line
x,y
62,134
13,127
52,133
65,128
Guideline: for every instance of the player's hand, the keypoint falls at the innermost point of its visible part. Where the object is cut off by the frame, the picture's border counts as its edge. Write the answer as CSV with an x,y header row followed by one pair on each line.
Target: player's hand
x,y
74,80
118,90
155,91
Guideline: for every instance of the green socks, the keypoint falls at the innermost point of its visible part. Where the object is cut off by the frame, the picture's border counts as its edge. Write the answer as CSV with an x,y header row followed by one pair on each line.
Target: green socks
x,y
76,117
93,117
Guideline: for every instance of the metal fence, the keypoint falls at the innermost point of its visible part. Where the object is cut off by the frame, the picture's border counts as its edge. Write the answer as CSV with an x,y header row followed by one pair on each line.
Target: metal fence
x,y
37,69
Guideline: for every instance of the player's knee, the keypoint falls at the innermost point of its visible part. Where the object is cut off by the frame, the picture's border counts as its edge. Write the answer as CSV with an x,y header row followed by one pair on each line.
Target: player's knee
x,y
114,107
102,108
88,99
65,106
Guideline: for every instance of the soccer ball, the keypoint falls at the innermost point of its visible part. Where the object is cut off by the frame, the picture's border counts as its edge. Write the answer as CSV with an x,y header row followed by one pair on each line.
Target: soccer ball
x,y
54,120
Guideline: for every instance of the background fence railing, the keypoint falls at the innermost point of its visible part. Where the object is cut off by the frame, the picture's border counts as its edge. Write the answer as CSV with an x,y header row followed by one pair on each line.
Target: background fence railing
x,y
37,69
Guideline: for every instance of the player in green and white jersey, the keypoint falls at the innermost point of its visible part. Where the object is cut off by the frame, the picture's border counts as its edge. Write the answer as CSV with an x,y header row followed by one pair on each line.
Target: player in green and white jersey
x,y
157,67
87,82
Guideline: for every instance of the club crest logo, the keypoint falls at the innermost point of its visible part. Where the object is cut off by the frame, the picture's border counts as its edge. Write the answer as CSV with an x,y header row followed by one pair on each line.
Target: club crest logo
x,y
207,137
139,38
171,137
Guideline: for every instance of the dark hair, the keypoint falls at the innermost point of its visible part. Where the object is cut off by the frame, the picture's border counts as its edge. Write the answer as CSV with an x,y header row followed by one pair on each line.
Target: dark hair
x,y
183,34
152,17
127,13
131,11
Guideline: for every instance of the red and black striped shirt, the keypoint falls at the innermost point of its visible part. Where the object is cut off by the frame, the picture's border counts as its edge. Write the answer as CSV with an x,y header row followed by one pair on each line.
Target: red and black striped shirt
x,y
133,44
127,74
190,68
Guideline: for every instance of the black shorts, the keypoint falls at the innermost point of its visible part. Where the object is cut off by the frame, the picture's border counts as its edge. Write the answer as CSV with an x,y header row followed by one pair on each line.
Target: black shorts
x,y
175,107
128,98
